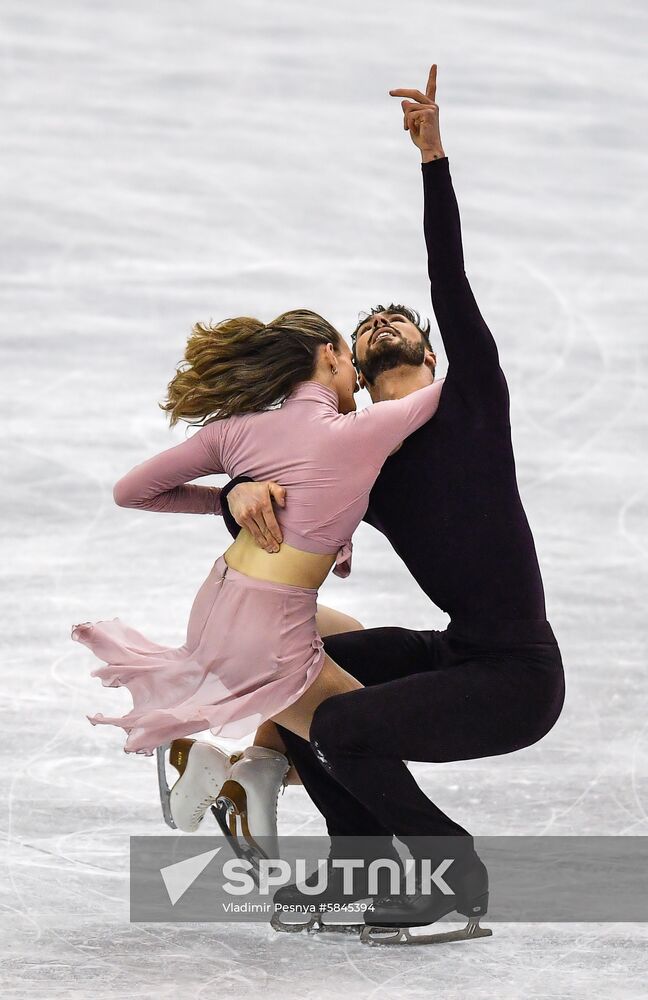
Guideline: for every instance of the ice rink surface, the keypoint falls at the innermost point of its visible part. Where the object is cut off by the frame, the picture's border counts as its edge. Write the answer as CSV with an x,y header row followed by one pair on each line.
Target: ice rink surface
x,y
167,163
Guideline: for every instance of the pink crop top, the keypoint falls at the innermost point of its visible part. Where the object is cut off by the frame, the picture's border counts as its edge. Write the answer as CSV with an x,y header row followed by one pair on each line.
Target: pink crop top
x,y
328,462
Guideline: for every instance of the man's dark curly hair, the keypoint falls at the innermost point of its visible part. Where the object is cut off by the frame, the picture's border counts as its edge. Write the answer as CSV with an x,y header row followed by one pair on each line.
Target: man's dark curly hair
x,y
411,314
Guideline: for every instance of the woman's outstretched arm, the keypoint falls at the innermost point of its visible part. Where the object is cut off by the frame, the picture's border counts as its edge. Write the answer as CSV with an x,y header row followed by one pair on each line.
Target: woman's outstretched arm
x,y
162,483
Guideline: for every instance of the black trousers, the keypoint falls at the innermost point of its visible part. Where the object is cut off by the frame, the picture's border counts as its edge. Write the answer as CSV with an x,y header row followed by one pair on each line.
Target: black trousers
x,y
460,694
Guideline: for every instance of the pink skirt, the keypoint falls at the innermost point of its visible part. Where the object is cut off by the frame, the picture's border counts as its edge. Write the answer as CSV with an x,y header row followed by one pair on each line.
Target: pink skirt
x,y
252,649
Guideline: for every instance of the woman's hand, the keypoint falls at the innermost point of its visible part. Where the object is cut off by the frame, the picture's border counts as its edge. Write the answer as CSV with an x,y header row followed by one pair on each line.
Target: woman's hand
x,y
251,507
421,117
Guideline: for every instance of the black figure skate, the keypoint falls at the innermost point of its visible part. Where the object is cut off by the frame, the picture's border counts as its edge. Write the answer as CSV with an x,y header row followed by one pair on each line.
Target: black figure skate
x,y
390,919
311,909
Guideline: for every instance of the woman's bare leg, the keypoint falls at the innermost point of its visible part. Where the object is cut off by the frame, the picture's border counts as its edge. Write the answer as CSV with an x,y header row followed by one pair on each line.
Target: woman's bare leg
x,y
329,622
267,735
332,622
332,679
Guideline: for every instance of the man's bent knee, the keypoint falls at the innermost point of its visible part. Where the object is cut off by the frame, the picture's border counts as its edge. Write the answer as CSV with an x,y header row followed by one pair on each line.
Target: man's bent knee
x,y
335,728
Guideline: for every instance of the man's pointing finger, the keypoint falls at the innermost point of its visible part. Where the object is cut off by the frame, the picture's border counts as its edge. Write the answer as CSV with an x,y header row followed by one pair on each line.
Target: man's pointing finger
x,y
430,90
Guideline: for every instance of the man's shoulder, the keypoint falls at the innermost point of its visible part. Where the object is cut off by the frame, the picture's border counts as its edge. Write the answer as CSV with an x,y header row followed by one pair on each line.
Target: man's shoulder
x,y
402,470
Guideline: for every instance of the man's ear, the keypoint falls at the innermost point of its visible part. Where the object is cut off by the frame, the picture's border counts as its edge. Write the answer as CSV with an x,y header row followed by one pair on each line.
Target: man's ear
x,y
361,381
430,359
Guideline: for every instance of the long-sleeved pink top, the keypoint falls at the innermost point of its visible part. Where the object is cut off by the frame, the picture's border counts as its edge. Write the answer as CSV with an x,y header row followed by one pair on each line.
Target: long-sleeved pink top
x,y
328,461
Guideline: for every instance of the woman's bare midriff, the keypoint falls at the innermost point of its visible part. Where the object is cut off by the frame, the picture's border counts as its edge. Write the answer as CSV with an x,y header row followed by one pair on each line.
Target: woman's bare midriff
x,y
288,565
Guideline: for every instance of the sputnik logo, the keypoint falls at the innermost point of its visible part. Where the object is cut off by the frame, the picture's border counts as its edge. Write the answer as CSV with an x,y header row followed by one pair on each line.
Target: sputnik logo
x,y
181,876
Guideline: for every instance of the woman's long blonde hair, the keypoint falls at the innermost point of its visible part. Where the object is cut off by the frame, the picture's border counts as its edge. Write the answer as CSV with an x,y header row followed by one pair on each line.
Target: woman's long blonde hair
x,y
241,365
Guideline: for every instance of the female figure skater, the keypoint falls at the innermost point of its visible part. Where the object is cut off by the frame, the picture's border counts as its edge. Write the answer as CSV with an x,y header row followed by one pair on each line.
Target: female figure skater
x,y
253,651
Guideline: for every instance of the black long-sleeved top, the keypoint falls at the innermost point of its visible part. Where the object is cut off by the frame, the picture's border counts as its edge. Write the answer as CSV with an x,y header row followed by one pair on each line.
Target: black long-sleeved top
x,y
448,499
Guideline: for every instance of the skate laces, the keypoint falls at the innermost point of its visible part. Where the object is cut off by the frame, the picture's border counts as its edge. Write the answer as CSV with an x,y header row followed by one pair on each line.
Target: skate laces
x,y
202,806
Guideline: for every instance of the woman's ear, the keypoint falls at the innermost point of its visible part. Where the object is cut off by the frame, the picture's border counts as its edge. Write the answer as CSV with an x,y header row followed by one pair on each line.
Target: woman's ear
x,y
323,354
329,354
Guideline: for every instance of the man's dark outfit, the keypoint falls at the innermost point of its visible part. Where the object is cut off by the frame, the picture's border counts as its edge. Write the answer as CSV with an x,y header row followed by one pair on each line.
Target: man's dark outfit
x,y
448,503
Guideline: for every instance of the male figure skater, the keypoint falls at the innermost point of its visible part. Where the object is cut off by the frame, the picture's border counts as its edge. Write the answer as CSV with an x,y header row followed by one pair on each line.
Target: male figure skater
x,y
447,500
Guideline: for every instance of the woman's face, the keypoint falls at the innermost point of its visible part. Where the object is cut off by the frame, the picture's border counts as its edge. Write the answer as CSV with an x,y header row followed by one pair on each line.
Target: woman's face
x,y
345,382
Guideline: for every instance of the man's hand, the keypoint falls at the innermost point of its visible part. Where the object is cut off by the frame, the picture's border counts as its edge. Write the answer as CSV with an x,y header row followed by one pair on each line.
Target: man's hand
x,y
251,506
421,117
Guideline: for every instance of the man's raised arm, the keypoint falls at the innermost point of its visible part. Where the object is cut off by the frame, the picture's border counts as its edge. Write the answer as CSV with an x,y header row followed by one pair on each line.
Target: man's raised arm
x,y
469,345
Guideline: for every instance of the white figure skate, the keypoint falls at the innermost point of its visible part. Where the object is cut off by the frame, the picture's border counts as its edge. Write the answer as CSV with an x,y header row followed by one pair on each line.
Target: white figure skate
x,y
247,804
203,769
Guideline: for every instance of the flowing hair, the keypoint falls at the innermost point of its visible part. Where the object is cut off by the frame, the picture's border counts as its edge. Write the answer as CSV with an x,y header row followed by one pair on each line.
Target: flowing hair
x,y
242,365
